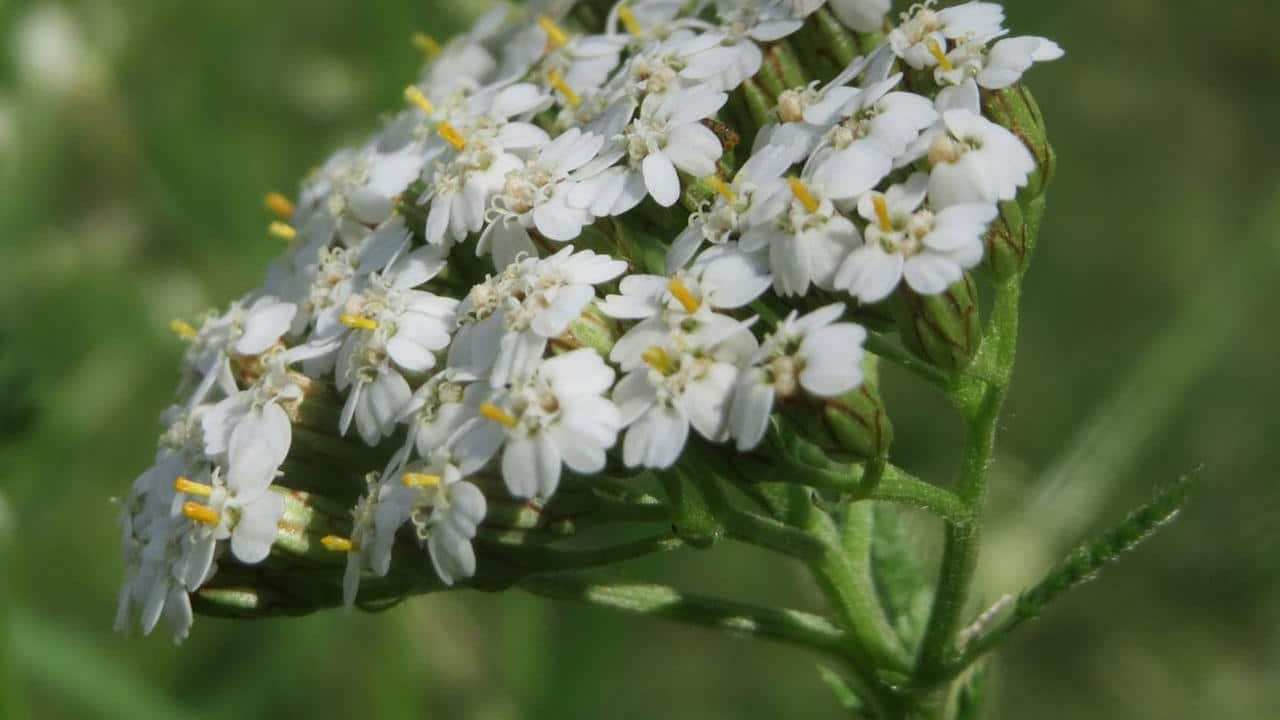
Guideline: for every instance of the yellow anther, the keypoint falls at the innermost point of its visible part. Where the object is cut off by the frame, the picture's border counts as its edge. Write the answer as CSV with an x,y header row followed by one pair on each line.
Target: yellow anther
x,y
451,135
420,480
556,37
629,20
556,80
187,487
280,205
681,292
935,49
284,231
659,359
802,193
413,95
202,514
723,189
426,44
498,415
333,543
183,329
358,322
882,212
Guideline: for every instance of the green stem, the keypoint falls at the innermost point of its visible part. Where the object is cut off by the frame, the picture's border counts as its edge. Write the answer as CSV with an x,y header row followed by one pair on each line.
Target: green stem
x,y
981,402
895,486
787,626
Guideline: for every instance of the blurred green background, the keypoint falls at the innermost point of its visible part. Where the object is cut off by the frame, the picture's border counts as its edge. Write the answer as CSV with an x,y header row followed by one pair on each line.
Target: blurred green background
x,y
137,138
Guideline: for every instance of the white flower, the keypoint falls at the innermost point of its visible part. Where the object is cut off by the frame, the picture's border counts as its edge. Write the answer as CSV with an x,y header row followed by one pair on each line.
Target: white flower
x,y
797,223
874,117
246,516
930,250
921,39
393,331
668,134
996,67
555,415
534,303
436,411
457,512
732,55
976,161
243,330
814,353
725,219
250,431
536,196
361,548
683,378
445,510
722,278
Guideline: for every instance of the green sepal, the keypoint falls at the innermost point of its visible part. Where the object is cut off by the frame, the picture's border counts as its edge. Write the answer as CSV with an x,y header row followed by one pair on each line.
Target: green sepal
x,y
943,330
692,516
857,420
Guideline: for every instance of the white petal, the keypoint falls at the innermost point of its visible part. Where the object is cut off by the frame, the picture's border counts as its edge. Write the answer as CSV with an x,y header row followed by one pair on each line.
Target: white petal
x,y
255,532
833,359
750,411
694,149
660,179
259,444
263,326
870,274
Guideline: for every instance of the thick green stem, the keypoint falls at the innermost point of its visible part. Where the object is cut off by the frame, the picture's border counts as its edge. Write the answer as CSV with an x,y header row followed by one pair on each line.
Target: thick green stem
x,y
981,402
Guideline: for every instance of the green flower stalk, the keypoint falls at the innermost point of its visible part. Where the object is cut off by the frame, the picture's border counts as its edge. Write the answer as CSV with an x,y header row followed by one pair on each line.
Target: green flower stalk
x,y
620,280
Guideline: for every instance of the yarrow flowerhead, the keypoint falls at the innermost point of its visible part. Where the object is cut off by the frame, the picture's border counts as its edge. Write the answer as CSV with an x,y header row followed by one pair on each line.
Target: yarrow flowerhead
x,y
576,259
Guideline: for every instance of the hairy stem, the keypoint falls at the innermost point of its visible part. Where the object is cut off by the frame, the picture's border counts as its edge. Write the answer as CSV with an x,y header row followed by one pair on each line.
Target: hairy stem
x,y
981,402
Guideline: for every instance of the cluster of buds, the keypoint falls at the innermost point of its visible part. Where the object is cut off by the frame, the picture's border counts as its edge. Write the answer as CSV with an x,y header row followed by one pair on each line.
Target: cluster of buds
x,y
596,247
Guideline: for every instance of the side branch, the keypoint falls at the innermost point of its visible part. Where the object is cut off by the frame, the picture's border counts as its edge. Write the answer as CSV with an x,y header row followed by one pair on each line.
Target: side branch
x,y
791,627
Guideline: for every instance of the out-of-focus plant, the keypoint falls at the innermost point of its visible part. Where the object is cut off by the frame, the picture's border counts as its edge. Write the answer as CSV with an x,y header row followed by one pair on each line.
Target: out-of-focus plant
x,y
595,229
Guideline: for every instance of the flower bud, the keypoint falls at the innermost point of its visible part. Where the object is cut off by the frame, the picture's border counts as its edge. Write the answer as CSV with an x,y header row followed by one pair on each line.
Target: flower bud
x,y
1015,108
593,329
857,420
1009,241
944,329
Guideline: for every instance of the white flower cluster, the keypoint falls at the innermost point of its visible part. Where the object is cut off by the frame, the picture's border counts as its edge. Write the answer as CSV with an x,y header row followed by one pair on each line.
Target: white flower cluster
x,y
517,139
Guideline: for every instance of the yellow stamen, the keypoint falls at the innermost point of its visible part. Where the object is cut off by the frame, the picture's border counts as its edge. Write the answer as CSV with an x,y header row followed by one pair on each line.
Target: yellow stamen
x,y
426,44
451,135
802,193
935,49
358,322
280,205
202,514
413,95
284,231
187,487
420,480
882,213
556,80
333,543
629,20
556,37
723,189
658,359
183,329
681,292
498,415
